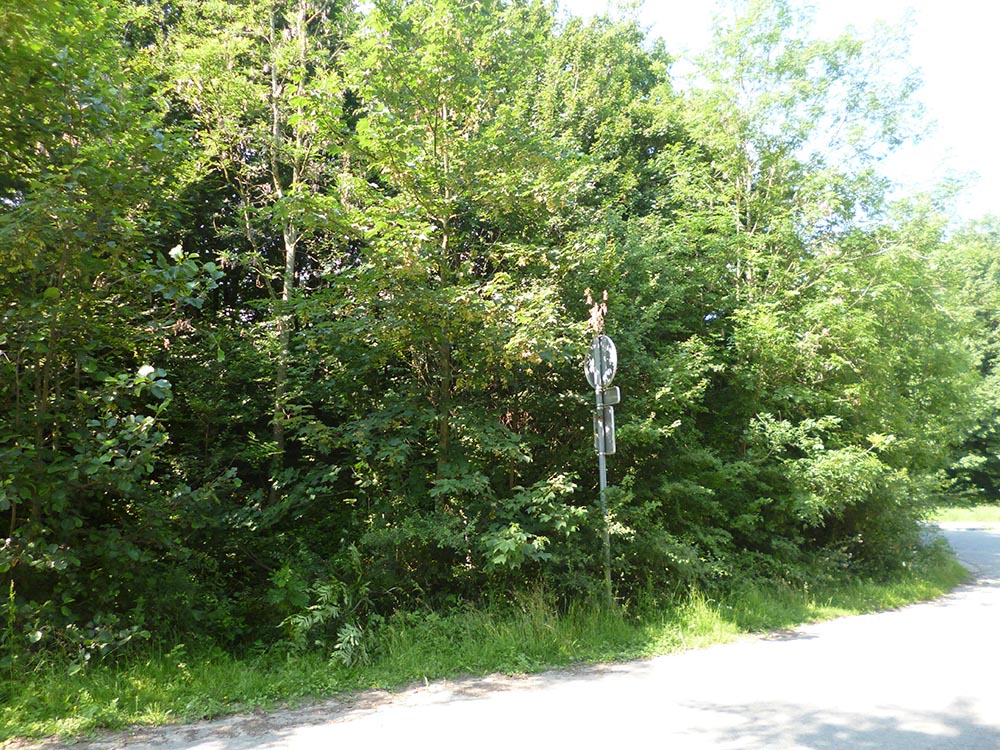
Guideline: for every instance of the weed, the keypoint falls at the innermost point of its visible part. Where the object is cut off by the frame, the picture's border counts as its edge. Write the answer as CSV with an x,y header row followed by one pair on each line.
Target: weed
x,y
528,634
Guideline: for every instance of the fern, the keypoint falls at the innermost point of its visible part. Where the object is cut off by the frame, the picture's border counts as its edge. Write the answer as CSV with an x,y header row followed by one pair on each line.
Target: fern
x,y
335,619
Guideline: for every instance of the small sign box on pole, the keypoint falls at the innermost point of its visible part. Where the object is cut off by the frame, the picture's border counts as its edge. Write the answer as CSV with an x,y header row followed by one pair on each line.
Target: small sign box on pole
x,y
611,396
604,430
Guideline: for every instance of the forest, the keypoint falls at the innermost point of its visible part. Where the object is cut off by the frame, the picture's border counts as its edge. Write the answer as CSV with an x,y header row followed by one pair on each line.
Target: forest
x,y
295,299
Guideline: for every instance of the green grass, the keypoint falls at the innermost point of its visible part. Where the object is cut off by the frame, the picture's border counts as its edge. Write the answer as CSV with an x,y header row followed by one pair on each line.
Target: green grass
x,y
189,682
968,513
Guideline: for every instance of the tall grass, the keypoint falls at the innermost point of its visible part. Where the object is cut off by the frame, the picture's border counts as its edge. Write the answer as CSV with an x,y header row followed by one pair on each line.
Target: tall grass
x,y
527,635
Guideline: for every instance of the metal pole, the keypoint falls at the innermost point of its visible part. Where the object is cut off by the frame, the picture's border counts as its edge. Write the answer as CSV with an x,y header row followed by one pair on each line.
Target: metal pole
x,y
600,371
602,465
608,598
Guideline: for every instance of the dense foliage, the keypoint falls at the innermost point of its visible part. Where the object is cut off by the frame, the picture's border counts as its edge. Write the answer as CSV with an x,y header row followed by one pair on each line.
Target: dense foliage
x,y
294,303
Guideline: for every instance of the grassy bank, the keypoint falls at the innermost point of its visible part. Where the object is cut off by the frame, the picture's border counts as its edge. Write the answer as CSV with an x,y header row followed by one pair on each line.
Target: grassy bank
x,y
986,513
190,682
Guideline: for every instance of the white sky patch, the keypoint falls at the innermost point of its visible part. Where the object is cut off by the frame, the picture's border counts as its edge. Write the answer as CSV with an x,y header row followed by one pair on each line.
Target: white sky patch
x,y
953,44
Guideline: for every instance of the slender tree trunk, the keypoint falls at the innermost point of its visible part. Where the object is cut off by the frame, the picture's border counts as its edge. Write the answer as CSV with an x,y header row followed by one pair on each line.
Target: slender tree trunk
x,y
445,271
284,325
444,406
444,368
288,273
290,232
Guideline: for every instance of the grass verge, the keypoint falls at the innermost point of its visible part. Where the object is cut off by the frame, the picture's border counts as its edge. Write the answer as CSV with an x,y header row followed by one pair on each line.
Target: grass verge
x,y
986,513
190,682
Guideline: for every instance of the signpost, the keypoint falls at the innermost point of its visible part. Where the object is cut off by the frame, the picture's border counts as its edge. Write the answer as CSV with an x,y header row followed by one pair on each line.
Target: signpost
x,y
600,369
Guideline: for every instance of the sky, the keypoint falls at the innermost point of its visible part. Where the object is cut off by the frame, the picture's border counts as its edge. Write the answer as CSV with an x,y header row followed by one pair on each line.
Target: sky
x,y
953,43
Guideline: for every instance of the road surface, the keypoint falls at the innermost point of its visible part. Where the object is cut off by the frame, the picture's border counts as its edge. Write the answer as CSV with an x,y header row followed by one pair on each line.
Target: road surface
x,y
927,676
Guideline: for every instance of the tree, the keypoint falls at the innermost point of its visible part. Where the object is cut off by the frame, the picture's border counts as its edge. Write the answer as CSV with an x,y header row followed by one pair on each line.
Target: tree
x,y
762,279
294,310
453,285
262,87
970,257
87,174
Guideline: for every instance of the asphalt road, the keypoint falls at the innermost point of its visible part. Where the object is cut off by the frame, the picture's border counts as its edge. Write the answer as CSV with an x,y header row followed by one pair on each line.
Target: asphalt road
x,y
922,677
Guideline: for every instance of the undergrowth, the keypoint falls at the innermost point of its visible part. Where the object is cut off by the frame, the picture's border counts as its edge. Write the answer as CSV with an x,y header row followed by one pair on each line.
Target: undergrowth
x,y
527,634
